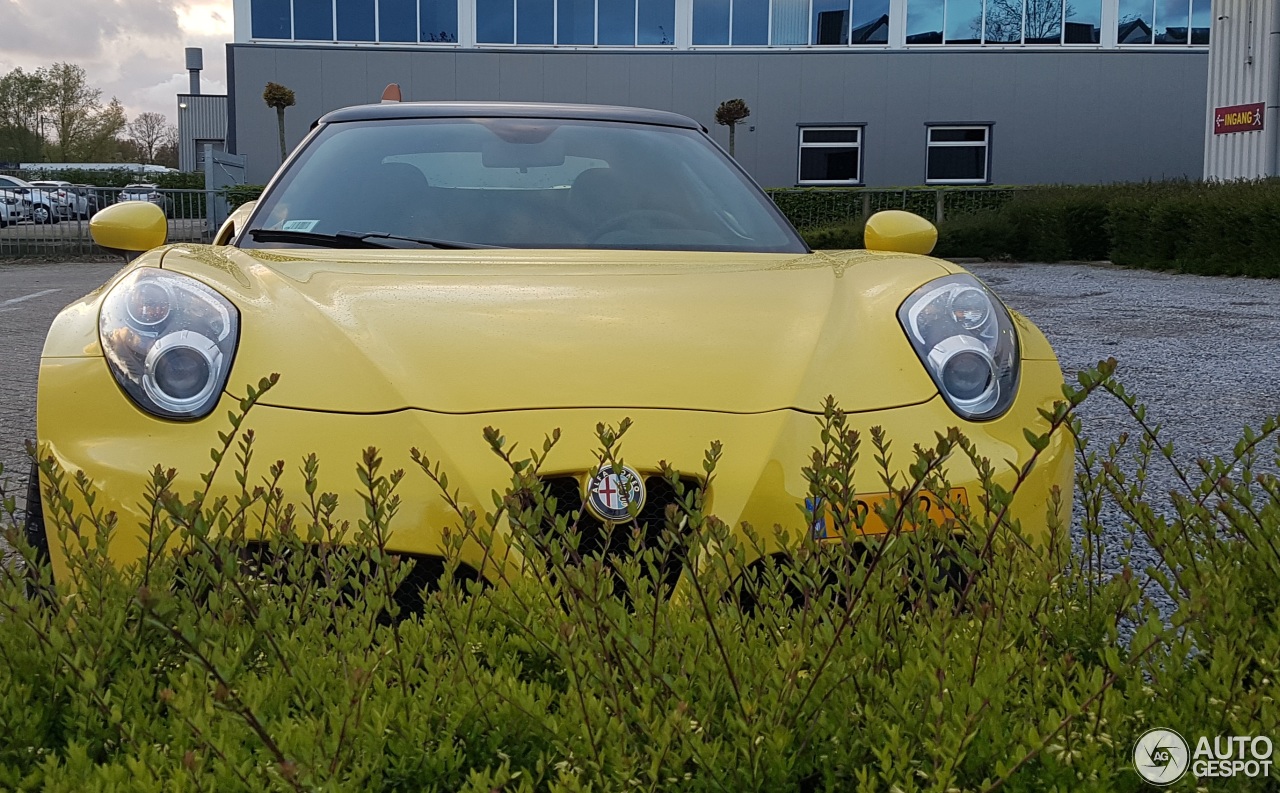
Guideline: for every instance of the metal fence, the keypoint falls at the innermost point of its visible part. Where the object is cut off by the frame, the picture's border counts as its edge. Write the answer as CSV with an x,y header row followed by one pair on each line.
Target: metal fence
x,y
816,207
195,215
55,223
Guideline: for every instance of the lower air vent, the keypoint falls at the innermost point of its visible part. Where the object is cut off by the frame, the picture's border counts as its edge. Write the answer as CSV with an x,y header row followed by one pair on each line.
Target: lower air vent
x,y
615,541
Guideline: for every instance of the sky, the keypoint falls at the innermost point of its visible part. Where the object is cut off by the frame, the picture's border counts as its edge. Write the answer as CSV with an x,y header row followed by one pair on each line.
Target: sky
x,y
131,49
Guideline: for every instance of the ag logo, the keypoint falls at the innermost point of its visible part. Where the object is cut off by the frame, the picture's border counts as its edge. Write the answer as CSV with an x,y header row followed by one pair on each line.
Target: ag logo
x,y
1160,757
609,493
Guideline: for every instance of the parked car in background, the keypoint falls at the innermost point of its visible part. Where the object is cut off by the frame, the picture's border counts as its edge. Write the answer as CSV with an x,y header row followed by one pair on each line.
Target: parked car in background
x,y
93,198
145,191
142,192
70,203
44,205
13,208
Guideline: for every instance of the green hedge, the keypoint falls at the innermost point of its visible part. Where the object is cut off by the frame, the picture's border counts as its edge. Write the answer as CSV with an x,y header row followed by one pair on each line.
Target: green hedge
x,y
924,661
242,194
1208,228
119,177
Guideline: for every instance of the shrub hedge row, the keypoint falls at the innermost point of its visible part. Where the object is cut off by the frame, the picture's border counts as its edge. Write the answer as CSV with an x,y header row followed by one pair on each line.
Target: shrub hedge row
x,y
955,657
1230,228
119,177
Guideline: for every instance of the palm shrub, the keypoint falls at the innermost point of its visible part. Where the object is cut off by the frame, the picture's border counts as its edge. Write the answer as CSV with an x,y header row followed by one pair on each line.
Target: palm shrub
x,y
959,656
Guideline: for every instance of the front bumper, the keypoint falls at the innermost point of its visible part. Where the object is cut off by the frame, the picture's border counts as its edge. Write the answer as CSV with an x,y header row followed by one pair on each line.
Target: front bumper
x,y
86,423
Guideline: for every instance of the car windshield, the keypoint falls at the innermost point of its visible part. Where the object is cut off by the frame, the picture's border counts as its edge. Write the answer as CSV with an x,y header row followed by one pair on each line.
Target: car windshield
x,y
519,183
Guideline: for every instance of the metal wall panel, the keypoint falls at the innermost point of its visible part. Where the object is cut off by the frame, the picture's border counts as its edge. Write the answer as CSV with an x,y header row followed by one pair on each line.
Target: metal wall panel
x,y
1059,117
203,118
1243,62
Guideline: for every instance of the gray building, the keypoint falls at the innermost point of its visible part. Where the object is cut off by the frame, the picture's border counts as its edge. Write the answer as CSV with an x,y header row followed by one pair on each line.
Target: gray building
x,y
842,92
202,118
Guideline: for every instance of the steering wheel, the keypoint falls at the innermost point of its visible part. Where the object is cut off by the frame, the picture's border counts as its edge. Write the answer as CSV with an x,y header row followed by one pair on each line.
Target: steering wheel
x,y
642,219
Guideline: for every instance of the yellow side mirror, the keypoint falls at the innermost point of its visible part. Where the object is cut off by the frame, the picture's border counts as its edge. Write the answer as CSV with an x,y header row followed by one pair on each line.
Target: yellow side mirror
x,y
895,231
234,223
129,228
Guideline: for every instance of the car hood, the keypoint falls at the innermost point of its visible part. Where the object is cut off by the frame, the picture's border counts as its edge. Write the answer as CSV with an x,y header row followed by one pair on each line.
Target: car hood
x,y
491,330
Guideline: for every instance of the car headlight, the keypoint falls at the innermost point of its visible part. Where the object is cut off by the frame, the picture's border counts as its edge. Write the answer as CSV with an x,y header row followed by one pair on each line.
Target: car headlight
x,y
967,342
169,341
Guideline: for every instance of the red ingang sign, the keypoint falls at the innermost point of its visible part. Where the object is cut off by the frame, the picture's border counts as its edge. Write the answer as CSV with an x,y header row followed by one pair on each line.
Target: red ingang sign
x,y
1238,118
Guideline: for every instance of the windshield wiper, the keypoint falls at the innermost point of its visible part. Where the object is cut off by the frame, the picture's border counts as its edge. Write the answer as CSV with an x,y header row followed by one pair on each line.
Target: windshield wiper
x,y
339,240
352,239
431,241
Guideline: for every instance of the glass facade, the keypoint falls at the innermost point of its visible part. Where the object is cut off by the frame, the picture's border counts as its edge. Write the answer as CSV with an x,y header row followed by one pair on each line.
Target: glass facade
x,y
732,23
979,22
391,21
615,23
790,23
1164,22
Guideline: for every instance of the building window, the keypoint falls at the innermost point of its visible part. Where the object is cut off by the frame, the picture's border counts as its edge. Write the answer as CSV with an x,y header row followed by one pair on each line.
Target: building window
x,y
626,23
958,155
398,20
391,21
270,19
782,23
830,155
1164,22
355,21
313,20
1004,22
438,21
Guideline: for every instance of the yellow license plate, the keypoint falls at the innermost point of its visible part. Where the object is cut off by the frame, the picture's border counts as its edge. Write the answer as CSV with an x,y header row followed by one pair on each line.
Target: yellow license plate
x,y
826,527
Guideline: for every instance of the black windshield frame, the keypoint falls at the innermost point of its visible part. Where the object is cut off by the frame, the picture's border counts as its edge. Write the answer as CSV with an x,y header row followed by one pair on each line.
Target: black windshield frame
x,y
768,222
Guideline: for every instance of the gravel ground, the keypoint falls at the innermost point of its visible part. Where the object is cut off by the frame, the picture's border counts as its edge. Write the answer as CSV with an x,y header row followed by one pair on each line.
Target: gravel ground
x,y
1201,353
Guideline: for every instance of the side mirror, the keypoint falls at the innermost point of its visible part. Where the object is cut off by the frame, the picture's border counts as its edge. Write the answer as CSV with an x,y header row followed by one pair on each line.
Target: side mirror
x,y
895,231
234,223
129,228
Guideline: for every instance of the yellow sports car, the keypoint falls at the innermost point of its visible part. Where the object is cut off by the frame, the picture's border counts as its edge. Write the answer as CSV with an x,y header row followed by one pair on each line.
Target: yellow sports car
x,y
416,272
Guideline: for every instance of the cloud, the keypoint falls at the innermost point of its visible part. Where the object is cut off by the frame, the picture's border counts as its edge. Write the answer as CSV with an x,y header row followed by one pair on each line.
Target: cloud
x,y
131,49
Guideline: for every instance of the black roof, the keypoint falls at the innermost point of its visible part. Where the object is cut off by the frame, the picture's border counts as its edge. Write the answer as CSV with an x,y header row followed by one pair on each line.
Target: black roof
x,y
391,110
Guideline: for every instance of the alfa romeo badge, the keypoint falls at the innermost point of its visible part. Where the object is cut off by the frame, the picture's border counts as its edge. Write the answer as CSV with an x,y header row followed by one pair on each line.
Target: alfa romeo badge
x,y
610,493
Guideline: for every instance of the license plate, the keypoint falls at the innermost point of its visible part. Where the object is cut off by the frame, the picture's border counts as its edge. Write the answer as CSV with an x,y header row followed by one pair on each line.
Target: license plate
x,y
826,527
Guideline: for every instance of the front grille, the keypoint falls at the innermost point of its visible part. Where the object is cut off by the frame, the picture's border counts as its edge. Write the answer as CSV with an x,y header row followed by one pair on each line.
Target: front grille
x,y
615,541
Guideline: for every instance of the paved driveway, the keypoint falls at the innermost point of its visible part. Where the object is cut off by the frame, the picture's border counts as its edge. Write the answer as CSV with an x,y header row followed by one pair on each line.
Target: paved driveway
x,y
30,296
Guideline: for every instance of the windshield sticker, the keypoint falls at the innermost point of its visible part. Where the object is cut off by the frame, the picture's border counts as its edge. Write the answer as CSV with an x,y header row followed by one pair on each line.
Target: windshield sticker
x,y
299,225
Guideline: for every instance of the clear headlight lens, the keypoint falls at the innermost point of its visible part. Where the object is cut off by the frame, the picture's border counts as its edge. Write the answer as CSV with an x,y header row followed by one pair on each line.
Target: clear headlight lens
x,y
169,341
967,342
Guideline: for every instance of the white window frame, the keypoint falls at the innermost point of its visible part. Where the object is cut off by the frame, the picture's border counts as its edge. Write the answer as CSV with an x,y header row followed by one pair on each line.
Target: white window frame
x,y
986,146
802,145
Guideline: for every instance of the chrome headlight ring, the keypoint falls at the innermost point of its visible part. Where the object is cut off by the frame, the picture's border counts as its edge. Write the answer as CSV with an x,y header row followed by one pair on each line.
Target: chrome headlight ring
x,y
169,341
967,342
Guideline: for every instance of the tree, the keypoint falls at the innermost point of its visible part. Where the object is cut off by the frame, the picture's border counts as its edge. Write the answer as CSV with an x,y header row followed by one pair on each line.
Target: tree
x,y
150,131
279,97
22,105
85,130
730,114
167,154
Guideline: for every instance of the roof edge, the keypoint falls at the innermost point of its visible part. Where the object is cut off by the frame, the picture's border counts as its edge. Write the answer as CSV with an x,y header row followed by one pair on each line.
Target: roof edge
x,y
637,115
